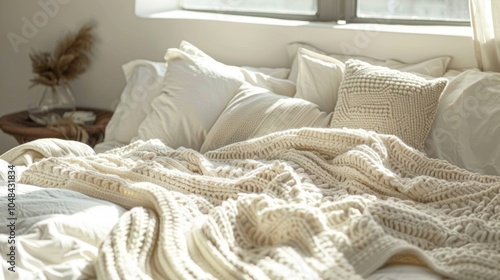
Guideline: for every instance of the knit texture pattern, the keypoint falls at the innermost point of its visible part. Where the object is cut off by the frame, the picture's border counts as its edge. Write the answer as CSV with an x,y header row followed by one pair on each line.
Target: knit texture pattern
x,y
387,101
304,204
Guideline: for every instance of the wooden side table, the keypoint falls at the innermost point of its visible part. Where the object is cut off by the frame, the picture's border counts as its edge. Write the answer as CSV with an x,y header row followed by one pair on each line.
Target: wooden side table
x,y
24,129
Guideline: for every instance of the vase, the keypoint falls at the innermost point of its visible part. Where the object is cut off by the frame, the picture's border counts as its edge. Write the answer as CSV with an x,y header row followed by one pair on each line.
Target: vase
x,y
57,102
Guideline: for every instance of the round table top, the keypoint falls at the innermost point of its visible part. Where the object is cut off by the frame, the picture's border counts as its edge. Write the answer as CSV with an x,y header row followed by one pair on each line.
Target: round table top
x,y
19,123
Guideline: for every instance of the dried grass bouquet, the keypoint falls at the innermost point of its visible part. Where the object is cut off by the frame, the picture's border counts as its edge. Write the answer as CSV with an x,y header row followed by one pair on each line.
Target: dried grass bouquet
x,y
69,60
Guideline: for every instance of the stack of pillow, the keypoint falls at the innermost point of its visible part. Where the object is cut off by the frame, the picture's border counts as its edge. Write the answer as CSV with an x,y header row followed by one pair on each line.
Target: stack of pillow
x,y
202,104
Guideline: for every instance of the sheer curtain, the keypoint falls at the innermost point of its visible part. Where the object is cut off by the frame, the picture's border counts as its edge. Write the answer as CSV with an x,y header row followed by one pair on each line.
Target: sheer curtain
x,y
485,20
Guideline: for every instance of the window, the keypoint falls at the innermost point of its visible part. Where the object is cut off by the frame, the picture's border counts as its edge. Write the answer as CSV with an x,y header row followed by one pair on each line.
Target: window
x,y
399,11
298,7
290,9
386,11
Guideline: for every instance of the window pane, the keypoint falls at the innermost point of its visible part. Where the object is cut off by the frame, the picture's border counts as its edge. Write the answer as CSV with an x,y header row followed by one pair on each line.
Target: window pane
x,y
448,10
298,7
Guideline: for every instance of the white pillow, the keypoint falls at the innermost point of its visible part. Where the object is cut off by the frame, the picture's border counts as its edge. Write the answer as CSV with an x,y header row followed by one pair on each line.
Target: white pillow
x,y
144,82
279,73
256,111
466,130
293,51
196,91
435,67
252,75
189,48
319,79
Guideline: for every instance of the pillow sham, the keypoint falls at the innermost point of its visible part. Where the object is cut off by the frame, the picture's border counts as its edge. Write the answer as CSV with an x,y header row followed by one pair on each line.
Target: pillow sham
x,y
254,76
435,67
466,130
279,73
293,51
144,82
196,91
257,111
387,101
319,79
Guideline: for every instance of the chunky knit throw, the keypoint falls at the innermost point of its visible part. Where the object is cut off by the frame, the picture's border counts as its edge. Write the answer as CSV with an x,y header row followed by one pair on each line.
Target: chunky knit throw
x,y
298,204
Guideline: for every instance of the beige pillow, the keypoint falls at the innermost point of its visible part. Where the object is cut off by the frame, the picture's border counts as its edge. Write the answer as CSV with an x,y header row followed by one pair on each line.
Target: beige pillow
x,y
256,111
319,78
387,101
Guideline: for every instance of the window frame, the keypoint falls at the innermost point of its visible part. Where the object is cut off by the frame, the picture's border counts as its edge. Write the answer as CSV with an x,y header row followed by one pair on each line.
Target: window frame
x,y
335,10
351,17
328,10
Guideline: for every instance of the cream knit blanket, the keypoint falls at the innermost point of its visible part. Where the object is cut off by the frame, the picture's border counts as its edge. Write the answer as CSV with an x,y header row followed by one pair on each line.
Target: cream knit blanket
x,y
299,204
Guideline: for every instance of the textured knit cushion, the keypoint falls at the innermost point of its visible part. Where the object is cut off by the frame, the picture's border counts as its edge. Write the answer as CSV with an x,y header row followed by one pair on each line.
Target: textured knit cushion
x,y
256,111
387,101
319,79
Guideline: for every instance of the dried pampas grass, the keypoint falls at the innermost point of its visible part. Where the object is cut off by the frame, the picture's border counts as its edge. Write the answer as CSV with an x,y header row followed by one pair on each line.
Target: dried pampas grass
x,y
69,60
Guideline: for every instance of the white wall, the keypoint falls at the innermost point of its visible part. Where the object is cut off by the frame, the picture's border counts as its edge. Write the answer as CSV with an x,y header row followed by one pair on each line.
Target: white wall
x,y
122,36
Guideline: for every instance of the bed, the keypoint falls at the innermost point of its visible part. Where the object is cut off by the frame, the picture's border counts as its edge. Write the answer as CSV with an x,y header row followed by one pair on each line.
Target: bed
x,y
336,168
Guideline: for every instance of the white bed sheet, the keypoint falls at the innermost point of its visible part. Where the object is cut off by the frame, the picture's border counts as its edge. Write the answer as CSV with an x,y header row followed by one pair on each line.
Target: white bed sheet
x,y
57,232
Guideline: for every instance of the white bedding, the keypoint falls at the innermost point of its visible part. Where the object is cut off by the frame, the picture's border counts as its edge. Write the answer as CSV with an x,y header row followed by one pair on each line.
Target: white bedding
x,y
301,167
57,233
62,234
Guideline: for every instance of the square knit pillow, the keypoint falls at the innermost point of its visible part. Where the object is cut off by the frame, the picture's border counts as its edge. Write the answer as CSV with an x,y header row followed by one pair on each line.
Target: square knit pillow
x,y
387,101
